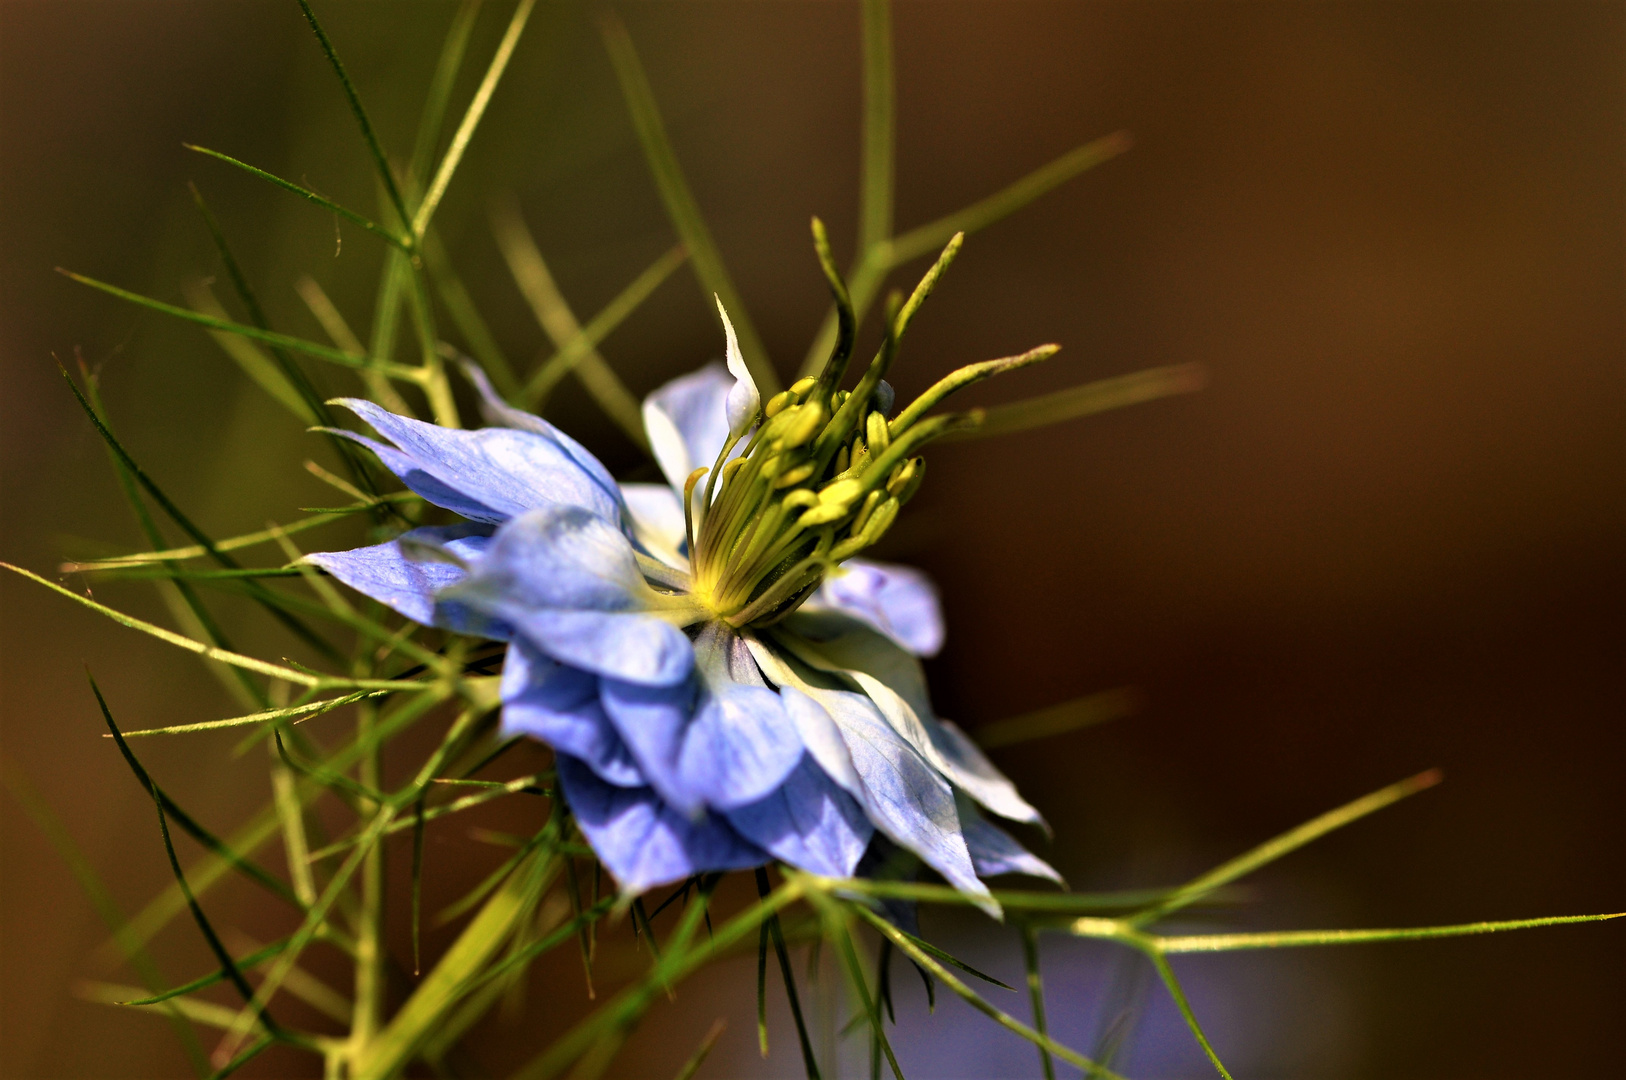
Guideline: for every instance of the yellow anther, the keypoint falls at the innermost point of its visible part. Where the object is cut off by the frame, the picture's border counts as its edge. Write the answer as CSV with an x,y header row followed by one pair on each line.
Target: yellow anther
x,y
823,514
800,498
778,402
802,425
871,501
877,433
841,493
794,476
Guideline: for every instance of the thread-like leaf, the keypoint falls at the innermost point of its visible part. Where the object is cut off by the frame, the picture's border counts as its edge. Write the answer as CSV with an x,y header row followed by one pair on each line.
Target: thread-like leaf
x,y
1060,719
304,193
202,835
788,976
692,1066
300,345
471,118
381,161
568,356
1087,400
880,109
245,963
681,206
1289,841
553,314
1030,961
1287,939
1010,1023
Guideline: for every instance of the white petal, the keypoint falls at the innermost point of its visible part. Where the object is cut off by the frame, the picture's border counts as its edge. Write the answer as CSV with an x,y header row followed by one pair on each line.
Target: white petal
x,y
657,521
743,400
687,421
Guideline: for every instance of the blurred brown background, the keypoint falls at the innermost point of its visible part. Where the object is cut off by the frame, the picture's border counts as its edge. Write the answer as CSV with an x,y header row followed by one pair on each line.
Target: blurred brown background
x,y
1387,537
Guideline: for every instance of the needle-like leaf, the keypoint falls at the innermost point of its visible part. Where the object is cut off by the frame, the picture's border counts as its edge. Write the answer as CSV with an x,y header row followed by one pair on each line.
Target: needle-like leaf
x,y
1060,719
471,118
681,206
567,357
1086,400
300,345
553,314
304,193
1289,841
381,161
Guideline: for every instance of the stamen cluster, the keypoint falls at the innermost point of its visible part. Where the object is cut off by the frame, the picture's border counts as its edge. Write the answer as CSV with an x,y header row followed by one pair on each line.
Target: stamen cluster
x,y
825,473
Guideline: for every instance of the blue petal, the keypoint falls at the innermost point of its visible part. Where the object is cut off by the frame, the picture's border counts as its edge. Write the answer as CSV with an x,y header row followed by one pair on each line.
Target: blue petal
x,y
498,413
906,798
569,582
739,747
642,841
687,421
722,740
994,851
651,721
833,641
559,705
637,648
391,575
902,794
977,776
837,641
492,474
899,601
809,823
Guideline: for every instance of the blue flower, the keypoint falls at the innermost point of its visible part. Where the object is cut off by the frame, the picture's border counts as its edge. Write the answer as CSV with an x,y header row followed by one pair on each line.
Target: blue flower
x,y
722,682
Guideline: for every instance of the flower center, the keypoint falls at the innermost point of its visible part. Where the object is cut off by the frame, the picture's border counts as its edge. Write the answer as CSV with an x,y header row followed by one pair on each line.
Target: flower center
x,y
826,472
821,479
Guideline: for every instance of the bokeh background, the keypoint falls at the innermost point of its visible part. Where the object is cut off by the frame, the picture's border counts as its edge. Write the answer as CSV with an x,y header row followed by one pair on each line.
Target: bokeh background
x,y
1387,536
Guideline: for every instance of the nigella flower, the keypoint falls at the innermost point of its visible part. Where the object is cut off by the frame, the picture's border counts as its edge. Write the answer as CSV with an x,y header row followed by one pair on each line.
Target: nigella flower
x,y
722,682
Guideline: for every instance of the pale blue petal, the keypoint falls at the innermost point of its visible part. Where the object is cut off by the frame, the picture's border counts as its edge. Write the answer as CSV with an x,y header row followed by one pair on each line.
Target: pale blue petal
x,y
899,601
687,421
820,736
907,799
902,794
563,557
979,777
836,642
808,822
722,740
492,474
994,851
498,413
391,575
644,842
559,705
633,647
568,581
657,522
739,747
651,721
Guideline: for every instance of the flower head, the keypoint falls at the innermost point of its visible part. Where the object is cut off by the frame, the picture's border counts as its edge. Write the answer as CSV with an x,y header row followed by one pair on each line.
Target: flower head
x,y
722,680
